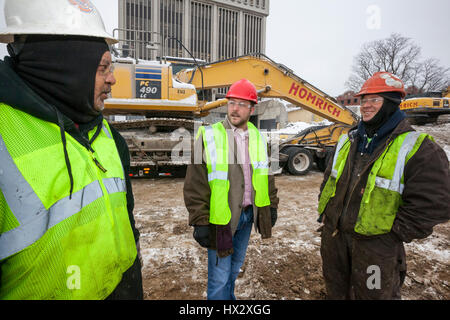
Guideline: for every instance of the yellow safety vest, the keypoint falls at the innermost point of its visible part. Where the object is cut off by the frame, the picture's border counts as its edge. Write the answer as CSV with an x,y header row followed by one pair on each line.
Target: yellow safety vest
x,y
215,140
53,246
383,192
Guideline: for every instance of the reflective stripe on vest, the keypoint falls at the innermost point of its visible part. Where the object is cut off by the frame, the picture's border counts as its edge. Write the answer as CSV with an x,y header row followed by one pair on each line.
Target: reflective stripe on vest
x,y
395,184
29,211
217,164
44,231
215,161
342,140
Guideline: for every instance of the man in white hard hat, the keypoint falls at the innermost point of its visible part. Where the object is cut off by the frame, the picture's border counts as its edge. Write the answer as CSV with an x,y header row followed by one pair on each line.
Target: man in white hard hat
x,y
66,223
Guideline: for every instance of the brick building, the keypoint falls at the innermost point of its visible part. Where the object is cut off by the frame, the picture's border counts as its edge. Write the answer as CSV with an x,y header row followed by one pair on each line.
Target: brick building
x,y
348,99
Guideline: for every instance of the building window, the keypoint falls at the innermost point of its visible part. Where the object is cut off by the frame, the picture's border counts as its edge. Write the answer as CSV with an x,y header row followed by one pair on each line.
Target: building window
x,y
252,34
201,26
171,17
228,33
197,27
137,17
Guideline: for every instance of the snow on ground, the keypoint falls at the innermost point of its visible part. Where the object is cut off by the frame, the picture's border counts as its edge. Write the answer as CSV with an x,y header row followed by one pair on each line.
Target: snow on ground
x,y
441,134
286,266
295,127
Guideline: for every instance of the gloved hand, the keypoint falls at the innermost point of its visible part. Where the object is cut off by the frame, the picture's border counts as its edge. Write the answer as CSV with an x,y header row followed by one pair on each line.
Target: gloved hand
x,y
273,215
201,235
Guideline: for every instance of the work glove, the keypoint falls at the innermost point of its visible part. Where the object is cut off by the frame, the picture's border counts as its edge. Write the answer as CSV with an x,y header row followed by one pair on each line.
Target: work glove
x,y
201,235
273,215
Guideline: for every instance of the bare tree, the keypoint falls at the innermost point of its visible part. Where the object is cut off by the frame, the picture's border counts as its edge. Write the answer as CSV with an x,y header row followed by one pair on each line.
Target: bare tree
x,y
400,56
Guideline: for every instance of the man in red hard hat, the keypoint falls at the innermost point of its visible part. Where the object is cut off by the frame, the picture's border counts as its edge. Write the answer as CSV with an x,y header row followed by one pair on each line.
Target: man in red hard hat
x,y
387,184
241,92
230,190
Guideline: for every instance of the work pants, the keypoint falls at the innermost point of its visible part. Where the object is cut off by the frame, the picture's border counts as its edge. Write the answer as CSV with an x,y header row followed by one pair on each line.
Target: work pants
x,y
223,272
355,268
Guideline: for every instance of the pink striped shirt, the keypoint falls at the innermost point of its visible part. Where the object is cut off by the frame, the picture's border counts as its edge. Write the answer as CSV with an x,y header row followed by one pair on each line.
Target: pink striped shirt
x,y
241,138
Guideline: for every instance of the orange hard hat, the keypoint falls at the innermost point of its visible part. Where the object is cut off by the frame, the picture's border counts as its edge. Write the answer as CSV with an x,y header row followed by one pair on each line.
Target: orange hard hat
x,y
382,82
243,89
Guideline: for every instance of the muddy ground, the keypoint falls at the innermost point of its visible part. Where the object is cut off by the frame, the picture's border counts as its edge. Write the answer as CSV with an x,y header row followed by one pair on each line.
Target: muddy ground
x,y
287,266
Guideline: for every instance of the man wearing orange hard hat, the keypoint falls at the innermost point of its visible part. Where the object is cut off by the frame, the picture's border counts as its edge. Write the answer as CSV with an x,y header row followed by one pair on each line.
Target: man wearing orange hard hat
x,y
387,184
230,190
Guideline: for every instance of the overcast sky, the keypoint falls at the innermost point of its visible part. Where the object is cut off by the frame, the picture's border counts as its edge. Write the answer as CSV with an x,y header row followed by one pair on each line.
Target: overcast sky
x,y
318,39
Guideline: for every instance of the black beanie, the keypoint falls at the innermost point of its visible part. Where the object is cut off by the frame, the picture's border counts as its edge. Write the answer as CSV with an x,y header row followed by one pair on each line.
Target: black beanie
x,y
390,105
62,71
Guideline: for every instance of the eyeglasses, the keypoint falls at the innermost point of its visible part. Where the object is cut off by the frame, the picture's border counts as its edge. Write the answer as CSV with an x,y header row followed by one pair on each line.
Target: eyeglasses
x,y
239,104
372,101
105,69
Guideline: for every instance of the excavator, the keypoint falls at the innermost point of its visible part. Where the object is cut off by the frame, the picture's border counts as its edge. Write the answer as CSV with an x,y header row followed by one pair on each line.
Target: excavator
x,y
274,80
168,110
426,107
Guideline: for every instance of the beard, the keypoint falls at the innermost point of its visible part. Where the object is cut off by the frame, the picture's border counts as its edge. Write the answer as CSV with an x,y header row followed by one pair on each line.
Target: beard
x,y
238,120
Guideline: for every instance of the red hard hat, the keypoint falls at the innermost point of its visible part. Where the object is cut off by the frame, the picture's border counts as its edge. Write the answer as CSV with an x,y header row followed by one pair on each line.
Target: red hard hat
x,y
243,89
382,82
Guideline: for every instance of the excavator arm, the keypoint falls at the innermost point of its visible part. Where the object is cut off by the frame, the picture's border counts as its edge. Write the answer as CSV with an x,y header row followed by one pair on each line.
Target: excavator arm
x,y
272,80
147,88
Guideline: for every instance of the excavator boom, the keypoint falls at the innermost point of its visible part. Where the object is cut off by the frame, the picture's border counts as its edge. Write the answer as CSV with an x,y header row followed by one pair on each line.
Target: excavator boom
x,y
170,106
274,80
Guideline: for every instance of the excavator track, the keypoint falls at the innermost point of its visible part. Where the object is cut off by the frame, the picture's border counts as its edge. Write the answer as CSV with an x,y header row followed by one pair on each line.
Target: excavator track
x,y
443,119
158,123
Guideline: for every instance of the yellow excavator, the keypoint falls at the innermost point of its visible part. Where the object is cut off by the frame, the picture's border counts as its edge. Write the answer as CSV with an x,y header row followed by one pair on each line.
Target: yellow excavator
x,y
426,107
274,80
168,110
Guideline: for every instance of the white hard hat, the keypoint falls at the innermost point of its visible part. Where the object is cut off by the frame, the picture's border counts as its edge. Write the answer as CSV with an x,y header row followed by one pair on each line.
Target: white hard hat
x,y
53,17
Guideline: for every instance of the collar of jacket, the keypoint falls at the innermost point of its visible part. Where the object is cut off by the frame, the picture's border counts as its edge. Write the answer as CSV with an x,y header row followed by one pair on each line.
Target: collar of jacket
x,y
366,146
236,130
226,123
402,127
15,93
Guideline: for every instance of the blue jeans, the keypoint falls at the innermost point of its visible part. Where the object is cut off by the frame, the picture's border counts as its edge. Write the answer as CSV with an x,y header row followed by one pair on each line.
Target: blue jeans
x,y
222,272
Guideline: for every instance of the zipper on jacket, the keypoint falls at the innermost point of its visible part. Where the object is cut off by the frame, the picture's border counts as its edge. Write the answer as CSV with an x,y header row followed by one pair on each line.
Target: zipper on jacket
x,y
97,163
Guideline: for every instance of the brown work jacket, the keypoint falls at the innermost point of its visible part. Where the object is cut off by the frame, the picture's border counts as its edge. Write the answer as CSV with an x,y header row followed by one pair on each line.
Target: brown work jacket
x,y
197,192
426,195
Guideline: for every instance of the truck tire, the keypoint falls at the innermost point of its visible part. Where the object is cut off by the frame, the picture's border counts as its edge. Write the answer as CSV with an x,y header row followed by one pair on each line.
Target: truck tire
x,y
300,161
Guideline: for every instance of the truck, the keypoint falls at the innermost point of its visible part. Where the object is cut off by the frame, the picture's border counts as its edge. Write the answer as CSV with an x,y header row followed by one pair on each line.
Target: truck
x,y
168,109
